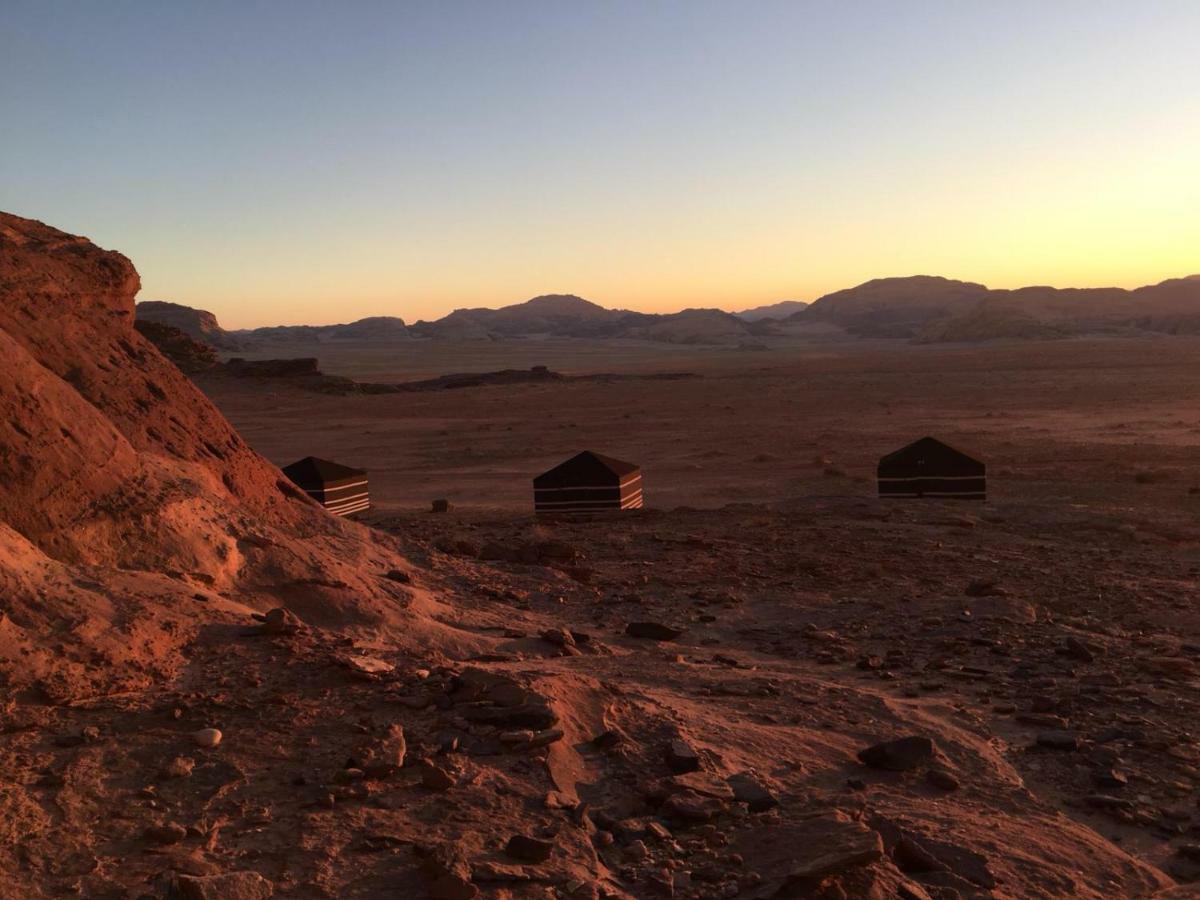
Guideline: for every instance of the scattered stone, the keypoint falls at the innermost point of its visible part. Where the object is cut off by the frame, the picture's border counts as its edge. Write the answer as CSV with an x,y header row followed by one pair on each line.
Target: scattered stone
x,y
227,886
368,667
179,767
1058,740
515,737
749,790
985,587
691,808
899,755
942,779
911,857
280,621
441,505
1074,648
398,576
449,873
1042,720
560,637
170,833
436,778
606,740
394,747
961,861
653,631
208,738
542,739
701,783
528,849
681,758
791,858
1109,802
1109,778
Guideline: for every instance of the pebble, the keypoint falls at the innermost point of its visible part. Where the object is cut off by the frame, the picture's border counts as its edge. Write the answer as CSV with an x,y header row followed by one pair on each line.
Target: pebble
x,y
436,779
207,737
179,767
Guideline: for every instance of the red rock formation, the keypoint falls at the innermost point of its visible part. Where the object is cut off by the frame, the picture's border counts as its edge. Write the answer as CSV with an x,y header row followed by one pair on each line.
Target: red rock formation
x,y
125,491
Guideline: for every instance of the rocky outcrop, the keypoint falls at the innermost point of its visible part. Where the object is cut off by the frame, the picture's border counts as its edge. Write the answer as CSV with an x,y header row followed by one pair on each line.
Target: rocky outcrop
x,y
198,324
127,496
190,355
373,329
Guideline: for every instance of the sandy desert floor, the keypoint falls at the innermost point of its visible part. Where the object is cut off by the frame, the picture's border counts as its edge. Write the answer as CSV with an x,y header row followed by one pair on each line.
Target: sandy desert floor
x,y
1046,643
1105,422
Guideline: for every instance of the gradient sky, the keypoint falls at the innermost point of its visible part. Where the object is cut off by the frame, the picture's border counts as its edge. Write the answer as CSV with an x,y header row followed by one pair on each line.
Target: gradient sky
x,y
287,162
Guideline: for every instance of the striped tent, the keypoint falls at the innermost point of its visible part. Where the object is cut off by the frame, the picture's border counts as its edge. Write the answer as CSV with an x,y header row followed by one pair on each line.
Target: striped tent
x,y
929,468
588,483
340,489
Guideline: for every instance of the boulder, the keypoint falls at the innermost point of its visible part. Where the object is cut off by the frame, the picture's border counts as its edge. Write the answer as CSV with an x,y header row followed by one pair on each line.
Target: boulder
x,y
899,755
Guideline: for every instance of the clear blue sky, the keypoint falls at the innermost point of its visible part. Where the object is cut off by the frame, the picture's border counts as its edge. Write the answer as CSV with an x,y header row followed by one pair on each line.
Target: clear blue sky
x,y
313,162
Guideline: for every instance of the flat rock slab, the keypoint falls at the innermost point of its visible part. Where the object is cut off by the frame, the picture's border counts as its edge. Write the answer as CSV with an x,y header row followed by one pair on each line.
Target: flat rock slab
x,y
793,853
230,886
749,790
652,631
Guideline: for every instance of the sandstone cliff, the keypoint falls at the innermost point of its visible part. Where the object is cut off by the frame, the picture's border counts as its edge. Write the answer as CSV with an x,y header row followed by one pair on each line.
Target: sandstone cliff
x,y
129,502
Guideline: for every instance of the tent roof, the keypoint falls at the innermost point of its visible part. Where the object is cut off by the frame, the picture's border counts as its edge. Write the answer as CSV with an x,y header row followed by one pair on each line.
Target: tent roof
x,y
584,465
928,449
312,469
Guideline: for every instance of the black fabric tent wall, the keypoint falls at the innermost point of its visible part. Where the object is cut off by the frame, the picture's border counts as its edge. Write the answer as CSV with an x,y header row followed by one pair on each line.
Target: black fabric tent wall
x,y
340,489
588,482
930,468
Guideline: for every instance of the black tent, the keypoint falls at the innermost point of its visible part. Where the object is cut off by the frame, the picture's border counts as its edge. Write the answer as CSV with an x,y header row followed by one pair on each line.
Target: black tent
x,y
929,468
340,489
588,482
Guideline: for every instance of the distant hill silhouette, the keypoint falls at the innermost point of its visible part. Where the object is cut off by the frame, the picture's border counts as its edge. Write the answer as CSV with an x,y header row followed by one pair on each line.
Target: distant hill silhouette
x,y
198,324
930,308
780,310
923,308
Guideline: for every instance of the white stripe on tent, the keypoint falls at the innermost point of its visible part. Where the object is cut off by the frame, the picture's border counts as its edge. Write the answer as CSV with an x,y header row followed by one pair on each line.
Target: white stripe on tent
x,y
594,504
348,508
352,497
633,500
588,487
343,487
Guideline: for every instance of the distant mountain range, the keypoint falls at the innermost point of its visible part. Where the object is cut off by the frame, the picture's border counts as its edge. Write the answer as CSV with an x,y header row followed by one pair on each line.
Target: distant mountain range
x,y
780,310
920,308
552,315
932,309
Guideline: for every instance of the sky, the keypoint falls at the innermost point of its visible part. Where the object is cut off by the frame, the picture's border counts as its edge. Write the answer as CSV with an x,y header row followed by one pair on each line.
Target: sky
x,y
313,162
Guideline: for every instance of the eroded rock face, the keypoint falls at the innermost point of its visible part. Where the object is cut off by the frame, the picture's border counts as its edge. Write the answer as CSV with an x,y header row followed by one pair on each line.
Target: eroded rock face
x,y
125,491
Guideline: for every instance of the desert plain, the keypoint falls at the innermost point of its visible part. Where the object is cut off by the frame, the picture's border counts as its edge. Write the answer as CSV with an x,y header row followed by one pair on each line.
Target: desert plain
x,y
767,683
1046,639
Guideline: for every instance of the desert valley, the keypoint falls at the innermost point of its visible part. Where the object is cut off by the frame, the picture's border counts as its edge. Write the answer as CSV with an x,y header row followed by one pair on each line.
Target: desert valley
x,y
765,683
